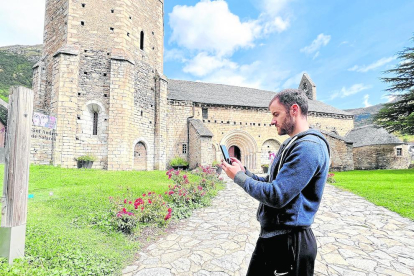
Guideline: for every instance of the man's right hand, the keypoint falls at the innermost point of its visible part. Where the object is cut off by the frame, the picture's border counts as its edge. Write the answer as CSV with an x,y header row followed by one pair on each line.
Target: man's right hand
x,y
236,162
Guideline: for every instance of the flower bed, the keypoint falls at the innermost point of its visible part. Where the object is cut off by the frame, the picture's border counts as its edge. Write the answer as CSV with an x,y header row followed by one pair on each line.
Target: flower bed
x,y
178,201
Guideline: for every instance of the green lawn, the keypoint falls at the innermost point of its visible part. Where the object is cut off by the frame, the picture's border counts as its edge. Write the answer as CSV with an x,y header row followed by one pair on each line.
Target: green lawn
x,y
393,189
67,225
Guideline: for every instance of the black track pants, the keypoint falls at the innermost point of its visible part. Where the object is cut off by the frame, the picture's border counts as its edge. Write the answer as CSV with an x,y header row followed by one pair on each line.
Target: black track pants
x,y
291,254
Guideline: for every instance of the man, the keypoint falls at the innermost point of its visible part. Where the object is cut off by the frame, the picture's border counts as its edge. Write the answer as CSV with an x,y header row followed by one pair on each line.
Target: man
x,y
290,195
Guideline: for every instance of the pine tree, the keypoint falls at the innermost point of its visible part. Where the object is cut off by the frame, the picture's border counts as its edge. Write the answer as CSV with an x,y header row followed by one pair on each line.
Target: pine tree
x,y
399,114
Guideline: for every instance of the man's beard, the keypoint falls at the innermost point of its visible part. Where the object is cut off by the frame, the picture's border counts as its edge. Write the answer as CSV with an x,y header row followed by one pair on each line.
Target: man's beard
x,y
287,126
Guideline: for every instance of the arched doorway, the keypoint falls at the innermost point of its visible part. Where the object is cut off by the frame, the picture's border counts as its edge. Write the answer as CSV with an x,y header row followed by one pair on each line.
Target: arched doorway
x,y
140,157
268,147
245,148
234,151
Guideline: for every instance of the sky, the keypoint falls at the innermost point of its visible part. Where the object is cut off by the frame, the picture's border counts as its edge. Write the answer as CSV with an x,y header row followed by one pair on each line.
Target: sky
x,y
344,46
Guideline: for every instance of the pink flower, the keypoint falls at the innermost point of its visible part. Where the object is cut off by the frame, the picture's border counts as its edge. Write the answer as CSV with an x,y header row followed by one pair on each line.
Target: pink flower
x,y
169,176
125,201
200,188
184,176
143,194
124,210
169,210
130,202
177,172
170,192
149,201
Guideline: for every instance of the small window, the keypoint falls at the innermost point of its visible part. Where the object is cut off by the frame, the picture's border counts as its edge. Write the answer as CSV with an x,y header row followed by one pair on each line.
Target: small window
x,y
399,151
184,148
83,5
141,45
112,11
83,23
95,123
205,113
111,29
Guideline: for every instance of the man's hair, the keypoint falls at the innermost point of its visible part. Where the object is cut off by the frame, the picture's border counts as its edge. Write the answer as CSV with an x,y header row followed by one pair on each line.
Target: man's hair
x,y
289,97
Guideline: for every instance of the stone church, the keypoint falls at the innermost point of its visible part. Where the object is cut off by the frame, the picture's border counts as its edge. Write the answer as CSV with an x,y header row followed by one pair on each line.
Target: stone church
x,y
101,80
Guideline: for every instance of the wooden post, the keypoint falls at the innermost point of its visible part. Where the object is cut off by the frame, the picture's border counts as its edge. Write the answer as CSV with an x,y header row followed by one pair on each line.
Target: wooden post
x,y
16,174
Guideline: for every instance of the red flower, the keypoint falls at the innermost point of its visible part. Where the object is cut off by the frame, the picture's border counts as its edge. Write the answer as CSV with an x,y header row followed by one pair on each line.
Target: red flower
x,y
125,201
130,202
170,192
168,216
124,210
143,194
169,210
149,201
169,176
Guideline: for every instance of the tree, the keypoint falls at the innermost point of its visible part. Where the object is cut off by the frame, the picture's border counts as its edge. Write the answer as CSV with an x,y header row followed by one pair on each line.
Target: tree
x,y
399,114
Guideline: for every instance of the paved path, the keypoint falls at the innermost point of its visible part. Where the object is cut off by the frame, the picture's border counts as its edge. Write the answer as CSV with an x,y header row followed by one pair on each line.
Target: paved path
x,y
355,238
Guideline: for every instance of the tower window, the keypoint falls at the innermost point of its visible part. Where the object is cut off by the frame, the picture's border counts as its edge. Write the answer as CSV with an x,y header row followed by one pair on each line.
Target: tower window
x,y
95,123
141,45
82,23
205,113
83,5
184,148
127,34
399,151
111,29
112,11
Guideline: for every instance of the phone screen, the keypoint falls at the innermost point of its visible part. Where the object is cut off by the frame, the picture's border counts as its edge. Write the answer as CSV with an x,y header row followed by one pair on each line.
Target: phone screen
x,y
225,154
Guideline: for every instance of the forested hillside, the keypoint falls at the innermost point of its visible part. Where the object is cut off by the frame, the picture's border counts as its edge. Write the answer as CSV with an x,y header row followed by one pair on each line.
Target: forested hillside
x,y
16,64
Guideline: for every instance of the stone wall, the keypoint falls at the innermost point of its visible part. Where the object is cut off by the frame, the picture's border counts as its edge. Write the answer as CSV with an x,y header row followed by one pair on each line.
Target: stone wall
x,y
341,154
177,129
380,157
327,122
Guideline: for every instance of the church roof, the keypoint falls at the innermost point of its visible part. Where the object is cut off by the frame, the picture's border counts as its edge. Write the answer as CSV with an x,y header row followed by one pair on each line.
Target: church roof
x,y
201,129
211,93
371,135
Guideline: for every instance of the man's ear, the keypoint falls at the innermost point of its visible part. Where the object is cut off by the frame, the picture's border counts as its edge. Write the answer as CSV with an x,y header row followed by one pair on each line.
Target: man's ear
x,y
295,109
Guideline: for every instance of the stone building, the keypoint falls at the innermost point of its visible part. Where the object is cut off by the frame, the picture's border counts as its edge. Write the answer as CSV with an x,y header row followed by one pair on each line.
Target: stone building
x,y
101,80
375,148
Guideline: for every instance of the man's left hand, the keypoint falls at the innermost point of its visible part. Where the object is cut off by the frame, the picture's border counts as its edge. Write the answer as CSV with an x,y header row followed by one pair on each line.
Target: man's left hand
x,y
230,170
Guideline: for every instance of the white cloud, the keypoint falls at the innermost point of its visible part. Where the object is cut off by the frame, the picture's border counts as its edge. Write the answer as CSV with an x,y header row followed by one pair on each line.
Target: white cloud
x,y
366,103
174,54
316,55
210,26
354,89
319,42
274,7
204,64
244,76
389,98
373,65
21,22
276,25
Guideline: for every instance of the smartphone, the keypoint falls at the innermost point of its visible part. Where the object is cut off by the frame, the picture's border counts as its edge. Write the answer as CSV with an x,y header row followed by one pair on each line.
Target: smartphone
x,y
225,154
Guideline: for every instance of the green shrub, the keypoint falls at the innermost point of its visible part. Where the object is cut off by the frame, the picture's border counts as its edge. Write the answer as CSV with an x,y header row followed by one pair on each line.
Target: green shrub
x,y
265,166
150,208
184,196
86,158
331,178
178,161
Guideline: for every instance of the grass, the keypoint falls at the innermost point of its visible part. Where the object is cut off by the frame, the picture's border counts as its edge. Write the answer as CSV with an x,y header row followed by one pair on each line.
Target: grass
x,y
392,189
67,225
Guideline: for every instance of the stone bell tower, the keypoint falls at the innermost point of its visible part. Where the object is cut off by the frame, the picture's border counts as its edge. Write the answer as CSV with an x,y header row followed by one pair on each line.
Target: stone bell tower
x,y
308,86
101,76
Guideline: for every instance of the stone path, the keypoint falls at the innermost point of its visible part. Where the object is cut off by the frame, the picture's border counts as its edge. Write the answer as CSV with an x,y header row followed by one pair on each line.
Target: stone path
x,y
355,238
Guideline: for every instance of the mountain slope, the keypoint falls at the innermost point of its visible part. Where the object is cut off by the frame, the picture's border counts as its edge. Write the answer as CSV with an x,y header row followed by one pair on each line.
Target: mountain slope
x,y
16,64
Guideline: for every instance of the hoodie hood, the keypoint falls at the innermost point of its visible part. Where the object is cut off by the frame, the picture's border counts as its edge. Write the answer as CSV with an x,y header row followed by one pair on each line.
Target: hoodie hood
x,y
310,131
